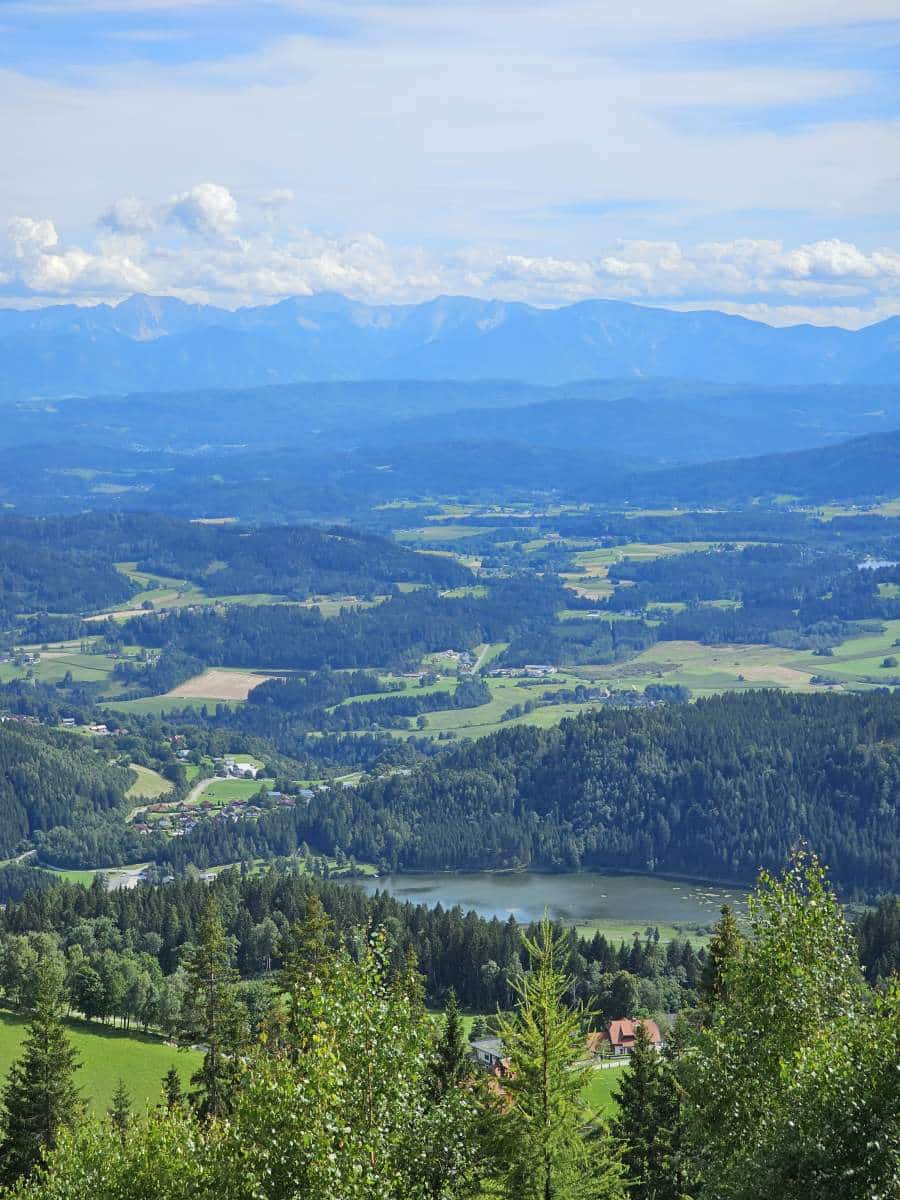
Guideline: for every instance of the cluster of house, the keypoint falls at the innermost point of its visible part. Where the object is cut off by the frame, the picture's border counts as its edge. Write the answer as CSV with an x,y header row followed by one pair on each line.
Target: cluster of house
x,y
238,770
615,1041
529,671
179,819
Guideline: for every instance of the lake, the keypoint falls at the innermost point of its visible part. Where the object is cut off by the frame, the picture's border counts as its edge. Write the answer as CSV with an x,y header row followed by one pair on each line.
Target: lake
x,y
574,899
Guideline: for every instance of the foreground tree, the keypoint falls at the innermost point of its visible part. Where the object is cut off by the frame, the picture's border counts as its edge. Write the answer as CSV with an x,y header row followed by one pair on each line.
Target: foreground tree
x,y
724,948
648,1125
119,1112
173,1094
40,1097
792,1091
306,958
354,1115
212,1016
545,1141
452,1062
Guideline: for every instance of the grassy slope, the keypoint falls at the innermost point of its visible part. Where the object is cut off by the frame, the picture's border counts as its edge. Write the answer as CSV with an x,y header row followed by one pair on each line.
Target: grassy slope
x,y
149,784
108,1055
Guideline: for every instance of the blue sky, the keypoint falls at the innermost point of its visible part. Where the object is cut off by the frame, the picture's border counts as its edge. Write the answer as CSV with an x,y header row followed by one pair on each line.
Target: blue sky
x,y
744,156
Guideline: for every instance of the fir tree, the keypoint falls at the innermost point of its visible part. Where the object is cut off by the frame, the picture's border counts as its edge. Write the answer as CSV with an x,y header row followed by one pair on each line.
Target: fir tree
x,y
452,1062
40,1097
173,1096
545,1140
212,1015
119,1113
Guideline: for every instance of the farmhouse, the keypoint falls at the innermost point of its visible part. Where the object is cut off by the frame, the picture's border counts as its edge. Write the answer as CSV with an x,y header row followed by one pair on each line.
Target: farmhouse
x,y
488,1053
618,1037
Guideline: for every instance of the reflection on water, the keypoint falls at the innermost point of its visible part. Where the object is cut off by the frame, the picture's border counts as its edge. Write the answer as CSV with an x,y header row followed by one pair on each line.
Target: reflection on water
x,y
571,898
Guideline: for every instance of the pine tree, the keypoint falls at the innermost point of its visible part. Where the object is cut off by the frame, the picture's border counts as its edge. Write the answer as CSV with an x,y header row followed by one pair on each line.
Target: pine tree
x,y
40,1097
119,1113
173,1096
452,1062
545,1140
724,948
212,1015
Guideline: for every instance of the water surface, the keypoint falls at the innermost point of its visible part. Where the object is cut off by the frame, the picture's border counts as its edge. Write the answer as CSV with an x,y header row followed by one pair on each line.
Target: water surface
x,y
575,899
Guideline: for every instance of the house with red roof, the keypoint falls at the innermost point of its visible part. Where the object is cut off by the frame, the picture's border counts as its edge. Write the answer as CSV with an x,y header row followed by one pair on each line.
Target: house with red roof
x,y
618,1037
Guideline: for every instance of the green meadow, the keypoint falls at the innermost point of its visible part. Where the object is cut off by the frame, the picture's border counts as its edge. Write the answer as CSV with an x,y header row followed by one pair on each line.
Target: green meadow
x,y
108,1055
442,533
149,784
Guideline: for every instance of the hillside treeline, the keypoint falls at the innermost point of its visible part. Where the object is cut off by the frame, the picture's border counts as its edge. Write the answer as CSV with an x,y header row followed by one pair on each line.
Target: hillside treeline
x,y
49,779
718,788
123,950
400,630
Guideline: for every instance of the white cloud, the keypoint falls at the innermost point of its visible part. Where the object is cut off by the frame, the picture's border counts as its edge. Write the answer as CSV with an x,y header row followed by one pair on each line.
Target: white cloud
x,y
764,277
128,215
208,208
30,237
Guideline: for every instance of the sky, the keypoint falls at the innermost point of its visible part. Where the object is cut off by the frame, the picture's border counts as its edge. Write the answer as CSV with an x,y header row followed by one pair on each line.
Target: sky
x,y
743,156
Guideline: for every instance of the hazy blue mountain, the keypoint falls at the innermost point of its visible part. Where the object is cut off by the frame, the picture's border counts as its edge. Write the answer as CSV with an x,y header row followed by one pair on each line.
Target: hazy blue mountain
x,y
862,468
163,344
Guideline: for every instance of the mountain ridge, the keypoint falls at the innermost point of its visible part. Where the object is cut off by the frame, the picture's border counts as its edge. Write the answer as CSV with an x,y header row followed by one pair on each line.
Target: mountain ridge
x,y
163,343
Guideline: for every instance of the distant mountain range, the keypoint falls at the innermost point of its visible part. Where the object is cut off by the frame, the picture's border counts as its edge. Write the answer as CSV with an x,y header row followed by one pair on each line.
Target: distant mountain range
x,y
163,344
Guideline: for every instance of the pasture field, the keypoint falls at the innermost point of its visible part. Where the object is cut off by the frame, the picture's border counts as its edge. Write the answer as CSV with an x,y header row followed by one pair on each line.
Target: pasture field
x,y
149,784
888,508
593,580
476,722
219,683
54,665
601,1088
115,875
442,533
155,705
224,791
108,1055
706,670
409,687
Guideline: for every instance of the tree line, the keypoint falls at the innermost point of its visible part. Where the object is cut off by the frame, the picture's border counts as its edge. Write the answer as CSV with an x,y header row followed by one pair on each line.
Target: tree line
x,y
783,1083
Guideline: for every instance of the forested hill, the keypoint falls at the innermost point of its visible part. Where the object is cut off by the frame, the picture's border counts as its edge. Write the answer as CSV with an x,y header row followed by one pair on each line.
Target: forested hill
x,y
49,779
718,788
68,564
865,466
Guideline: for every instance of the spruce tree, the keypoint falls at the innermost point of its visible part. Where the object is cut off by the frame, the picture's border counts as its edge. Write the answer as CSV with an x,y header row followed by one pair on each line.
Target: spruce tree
x,y
119,1112
306,958
212,1015
647,1124
40,1097
724,949
452,1063
546,1142
173,1096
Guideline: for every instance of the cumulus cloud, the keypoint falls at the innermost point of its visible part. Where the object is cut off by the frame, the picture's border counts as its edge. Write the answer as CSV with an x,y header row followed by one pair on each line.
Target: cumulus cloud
x,y
208,209
30,237
142,248
128,215
41,265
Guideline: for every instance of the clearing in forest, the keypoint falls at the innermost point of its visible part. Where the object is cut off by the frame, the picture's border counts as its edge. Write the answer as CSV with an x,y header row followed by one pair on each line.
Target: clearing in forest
x,y
219,684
